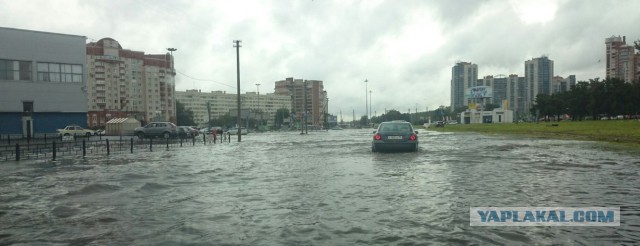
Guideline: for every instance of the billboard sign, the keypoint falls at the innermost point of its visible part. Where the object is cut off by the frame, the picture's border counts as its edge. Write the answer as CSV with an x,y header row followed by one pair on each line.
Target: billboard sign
x,y
479,92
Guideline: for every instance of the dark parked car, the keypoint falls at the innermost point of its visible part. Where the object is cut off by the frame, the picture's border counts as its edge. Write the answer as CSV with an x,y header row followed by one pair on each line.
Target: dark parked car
x,y
186,132
157,129
395,136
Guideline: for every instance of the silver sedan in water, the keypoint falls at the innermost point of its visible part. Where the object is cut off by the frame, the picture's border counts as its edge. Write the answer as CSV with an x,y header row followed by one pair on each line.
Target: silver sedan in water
x,y
395,136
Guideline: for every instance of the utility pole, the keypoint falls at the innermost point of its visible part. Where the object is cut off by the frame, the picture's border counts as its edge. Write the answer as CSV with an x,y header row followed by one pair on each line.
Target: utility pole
x,y
259,123
354,117
237,46
370,105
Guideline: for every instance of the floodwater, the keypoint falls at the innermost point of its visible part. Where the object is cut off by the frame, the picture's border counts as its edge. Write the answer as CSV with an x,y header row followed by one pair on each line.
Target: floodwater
x,y
324,188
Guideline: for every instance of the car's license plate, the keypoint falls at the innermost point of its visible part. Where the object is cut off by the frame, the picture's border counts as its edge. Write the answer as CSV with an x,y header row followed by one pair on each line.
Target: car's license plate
x,y
394,137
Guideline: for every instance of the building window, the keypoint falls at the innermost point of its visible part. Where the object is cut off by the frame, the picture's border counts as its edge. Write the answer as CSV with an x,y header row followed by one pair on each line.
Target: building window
x,y
58,72
15,70
27,108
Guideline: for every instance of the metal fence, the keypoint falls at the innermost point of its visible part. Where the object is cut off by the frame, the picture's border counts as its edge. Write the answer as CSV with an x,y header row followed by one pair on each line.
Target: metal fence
x,y
16,148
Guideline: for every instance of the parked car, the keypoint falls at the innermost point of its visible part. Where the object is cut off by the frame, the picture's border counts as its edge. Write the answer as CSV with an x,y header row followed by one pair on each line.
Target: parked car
x,y
207,130
74,130
186,132
157,129
395,136
194,131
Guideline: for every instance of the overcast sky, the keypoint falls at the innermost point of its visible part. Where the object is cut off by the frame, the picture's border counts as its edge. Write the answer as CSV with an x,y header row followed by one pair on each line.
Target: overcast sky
x,y
404,48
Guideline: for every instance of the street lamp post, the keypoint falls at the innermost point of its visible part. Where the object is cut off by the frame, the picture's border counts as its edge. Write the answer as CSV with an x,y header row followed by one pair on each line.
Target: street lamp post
x,y
366,103
326,114
370,106
260,122
173,72
171,50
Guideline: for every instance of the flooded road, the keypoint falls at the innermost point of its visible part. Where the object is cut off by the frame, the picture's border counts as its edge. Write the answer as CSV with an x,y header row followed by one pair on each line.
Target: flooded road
x,y
324,188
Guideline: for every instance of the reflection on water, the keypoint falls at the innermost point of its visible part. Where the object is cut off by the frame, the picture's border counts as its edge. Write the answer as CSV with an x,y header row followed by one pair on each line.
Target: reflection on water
x,y
321,188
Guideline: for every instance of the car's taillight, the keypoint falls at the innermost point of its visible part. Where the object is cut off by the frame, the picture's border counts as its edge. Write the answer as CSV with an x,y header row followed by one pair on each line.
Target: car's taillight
x,y
377,137
413,137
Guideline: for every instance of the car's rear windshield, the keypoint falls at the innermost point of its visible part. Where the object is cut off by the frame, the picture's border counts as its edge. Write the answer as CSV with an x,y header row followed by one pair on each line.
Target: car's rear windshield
x,y
394,127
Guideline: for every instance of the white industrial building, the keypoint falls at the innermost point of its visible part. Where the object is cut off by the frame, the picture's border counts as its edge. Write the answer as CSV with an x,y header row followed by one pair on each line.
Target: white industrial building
x,y
43,77
498,115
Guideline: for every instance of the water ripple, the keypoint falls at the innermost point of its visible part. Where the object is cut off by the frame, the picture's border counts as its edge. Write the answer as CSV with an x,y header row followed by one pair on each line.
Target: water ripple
x,y
323,188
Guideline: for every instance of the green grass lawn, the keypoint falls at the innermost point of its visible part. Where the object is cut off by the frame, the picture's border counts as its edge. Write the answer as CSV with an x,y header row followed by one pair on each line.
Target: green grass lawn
x,y
626,132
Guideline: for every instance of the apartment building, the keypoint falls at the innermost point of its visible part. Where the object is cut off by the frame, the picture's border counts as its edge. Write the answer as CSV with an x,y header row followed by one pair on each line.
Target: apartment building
x,y
622,62
561,84
305,96
516,94
126,83
43,77
498,85
464,75
215,104
538,74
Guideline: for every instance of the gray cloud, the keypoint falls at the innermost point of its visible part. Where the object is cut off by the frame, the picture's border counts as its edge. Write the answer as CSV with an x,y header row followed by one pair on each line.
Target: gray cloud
x,y
404,48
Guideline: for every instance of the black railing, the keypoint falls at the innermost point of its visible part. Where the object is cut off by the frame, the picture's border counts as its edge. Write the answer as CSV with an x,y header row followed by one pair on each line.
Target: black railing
x,y
16,148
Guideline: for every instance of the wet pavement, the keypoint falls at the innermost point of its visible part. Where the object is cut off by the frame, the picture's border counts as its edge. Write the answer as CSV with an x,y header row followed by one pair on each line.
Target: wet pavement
x,y
324,188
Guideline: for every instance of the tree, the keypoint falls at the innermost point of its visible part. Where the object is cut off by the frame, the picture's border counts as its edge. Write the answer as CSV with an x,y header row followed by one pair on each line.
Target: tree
x,y
363,120
577,99
394,115
184,116
224,120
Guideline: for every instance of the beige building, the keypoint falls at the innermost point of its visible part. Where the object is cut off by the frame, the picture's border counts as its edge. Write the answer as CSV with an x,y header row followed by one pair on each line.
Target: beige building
x,y
124,83
213,105
305,95
621,60
561,84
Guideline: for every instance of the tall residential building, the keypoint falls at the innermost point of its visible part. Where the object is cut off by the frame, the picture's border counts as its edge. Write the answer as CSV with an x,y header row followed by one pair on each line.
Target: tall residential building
x,y
299,90
126,83
516,94
561,84
538,73
621,60
498,85
215,104
43,80
463,76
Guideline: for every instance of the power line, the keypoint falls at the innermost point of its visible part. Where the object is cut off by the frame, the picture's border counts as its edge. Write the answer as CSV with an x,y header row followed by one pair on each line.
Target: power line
x,y
205,80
